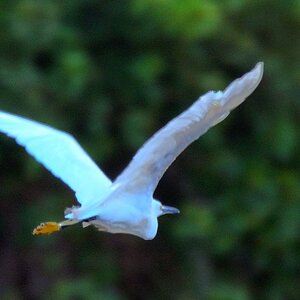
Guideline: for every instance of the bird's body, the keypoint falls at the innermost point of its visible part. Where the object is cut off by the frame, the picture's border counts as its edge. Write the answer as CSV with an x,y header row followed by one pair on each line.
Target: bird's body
x,y
125,205
120,213
140,222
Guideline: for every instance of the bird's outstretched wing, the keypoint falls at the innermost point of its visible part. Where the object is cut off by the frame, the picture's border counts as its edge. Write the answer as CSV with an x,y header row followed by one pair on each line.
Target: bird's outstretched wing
x,y
60,153
151,161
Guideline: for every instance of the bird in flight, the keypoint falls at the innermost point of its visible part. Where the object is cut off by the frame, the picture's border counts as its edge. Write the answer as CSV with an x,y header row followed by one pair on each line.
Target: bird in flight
x,y
125,205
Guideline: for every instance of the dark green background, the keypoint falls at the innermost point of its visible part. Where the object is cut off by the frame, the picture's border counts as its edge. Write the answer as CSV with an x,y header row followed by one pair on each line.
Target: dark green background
x,y
112,73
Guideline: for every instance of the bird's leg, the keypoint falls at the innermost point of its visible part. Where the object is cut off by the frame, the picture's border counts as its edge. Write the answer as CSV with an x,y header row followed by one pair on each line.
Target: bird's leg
x,y
50,227
86,222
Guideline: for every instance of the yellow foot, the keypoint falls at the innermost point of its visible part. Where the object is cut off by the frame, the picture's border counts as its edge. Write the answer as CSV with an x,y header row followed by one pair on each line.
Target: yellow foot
x,y
46,228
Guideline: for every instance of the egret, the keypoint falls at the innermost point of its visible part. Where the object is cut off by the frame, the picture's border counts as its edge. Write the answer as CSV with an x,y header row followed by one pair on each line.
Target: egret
x,y
125,205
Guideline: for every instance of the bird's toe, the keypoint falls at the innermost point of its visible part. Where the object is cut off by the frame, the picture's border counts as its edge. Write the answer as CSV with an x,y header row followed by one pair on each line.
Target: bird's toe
x,y
46,228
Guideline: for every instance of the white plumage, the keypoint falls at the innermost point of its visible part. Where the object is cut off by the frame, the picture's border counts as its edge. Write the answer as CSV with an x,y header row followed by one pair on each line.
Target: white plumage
x,y
61,154
125,205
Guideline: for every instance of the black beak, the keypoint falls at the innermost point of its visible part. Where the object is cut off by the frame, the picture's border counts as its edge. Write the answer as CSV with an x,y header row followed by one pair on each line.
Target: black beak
x,y
169,210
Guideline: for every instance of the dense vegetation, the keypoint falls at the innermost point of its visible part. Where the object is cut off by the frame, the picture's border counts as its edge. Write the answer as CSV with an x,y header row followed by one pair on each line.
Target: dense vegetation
x,y
112,73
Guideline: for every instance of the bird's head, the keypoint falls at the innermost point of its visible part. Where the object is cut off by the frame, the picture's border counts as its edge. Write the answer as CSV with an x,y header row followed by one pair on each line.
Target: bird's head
x,y
159,209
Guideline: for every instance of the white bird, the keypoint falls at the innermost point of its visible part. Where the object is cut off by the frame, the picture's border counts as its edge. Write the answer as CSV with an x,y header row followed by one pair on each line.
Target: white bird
x,y
125,205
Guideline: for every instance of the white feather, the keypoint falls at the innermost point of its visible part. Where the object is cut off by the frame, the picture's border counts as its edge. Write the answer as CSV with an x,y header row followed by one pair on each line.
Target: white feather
x,y
156,155
61,154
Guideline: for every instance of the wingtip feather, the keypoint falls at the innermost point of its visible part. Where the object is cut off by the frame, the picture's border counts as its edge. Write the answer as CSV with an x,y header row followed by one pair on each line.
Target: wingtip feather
x,y
242,87
258,72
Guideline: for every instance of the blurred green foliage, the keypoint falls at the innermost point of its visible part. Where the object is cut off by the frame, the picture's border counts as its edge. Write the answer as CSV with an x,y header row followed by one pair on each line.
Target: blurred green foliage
x,y
112,73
